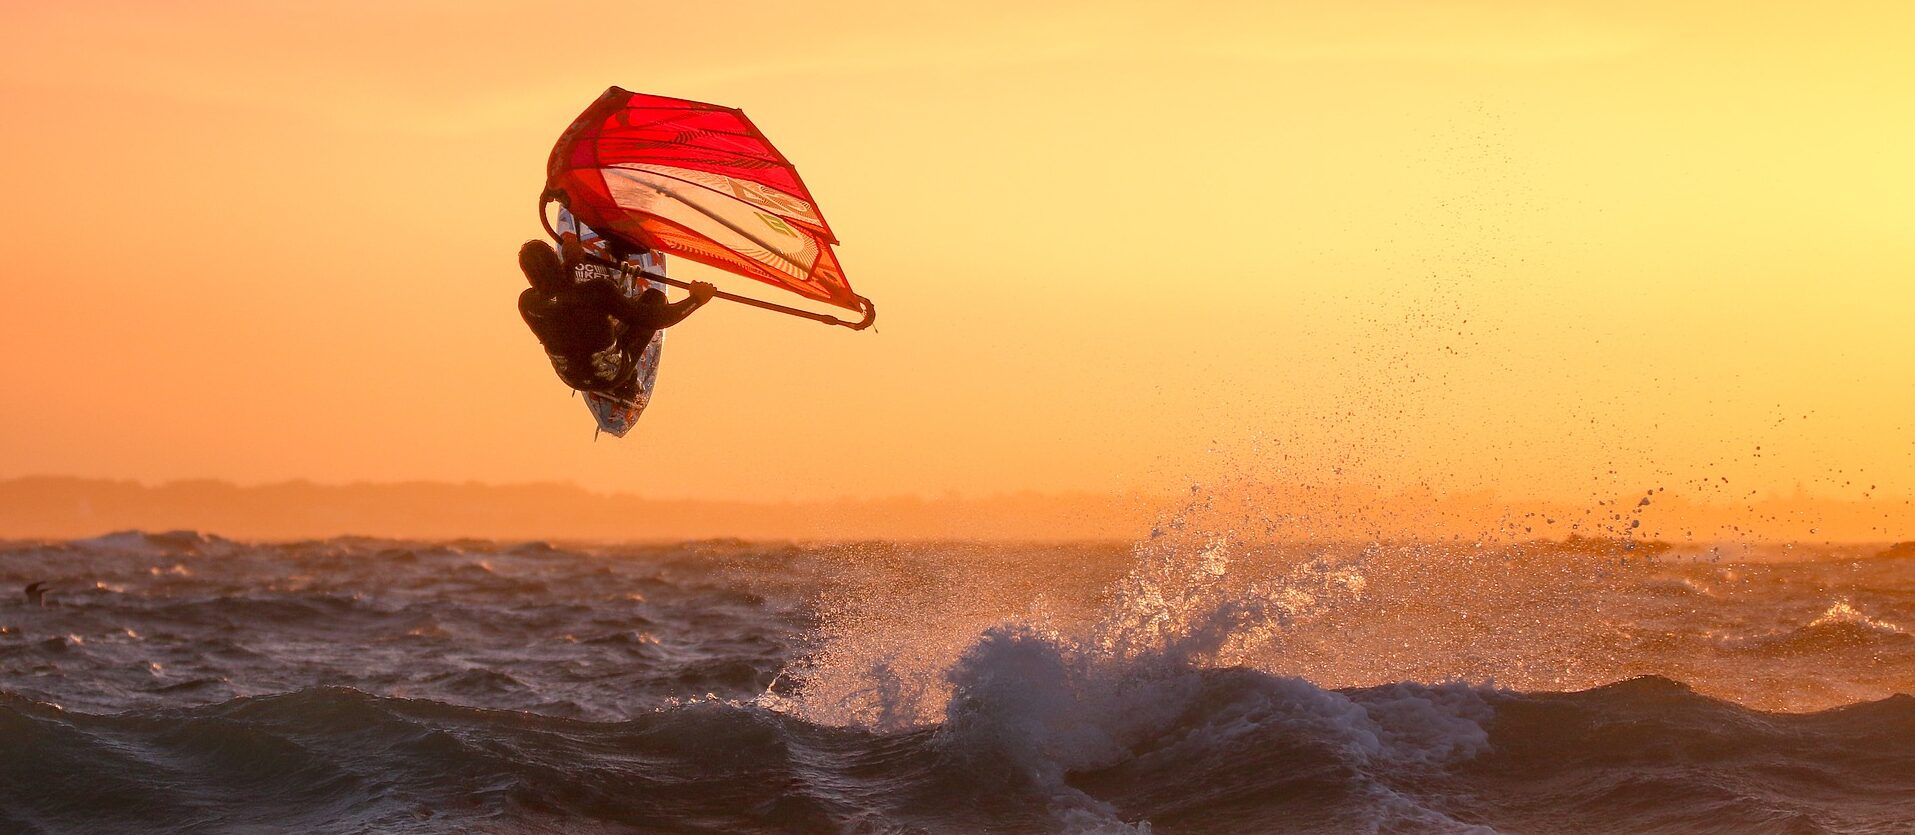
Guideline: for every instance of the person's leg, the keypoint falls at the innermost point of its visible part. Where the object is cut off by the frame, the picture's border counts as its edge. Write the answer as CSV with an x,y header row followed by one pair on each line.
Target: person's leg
x,y
624,386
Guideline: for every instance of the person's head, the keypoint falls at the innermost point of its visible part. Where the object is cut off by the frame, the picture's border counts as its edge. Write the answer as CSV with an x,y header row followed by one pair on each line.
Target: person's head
x,y
541,266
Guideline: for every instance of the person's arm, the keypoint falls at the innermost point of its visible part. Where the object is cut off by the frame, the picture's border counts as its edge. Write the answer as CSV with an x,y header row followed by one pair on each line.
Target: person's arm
x,y
655,316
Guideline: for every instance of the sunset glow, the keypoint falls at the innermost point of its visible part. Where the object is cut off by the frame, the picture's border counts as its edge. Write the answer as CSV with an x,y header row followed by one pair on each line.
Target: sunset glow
x,y
1546,250
1392,416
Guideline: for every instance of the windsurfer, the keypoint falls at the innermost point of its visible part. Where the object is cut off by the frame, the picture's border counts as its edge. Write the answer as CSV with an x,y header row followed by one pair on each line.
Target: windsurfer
x,y
592,332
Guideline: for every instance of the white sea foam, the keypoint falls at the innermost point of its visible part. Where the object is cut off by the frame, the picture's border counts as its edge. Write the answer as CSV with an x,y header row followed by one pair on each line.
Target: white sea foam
x,y
1044,701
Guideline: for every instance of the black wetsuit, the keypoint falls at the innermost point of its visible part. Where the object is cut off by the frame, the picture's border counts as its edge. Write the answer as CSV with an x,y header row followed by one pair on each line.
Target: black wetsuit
x,y
594,333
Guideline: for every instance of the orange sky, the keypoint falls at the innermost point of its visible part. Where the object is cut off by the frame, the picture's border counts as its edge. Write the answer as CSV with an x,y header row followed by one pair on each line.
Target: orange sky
x,y
1545,248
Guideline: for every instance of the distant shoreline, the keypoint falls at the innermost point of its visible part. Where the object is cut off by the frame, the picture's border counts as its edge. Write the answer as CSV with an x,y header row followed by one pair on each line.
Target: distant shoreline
x,y
58,507
62,508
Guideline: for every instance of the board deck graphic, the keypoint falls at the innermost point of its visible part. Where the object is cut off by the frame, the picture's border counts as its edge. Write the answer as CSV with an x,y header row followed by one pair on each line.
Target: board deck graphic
x,y
618,411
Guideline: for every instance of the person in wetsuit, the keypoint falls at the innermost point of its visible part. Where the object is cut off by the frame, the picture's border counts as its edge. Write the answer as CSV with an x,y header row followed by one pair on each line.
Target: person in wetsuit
x,y
591,330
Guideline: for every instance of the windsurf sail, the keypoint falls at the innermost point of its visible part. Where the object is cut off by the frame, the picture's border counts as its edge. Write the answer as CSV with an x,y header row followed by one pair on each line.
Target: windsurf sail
x,y
700,182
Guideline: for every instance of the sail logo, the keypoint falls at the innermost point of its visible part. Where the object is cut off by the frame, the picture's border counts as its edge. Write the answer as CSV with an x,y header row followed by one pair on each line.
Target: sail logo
x,y
771,198
778,225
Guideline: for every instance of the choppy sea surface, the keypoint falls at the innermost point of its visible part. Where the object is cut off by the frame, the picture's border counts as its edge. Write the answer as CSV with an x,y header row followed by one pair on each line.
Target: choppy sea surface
x,y
179,682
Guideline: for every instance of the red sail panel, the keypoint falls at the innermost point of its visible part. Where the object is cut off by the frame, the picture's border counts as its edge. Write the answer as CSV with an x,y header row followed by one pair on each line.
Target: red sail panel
x,y
701,182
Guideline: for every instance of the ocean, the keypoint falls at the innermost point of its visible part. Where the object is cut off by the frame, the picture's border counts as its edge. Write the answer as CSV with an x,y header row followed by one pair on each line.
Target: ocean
x,y
1194,682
